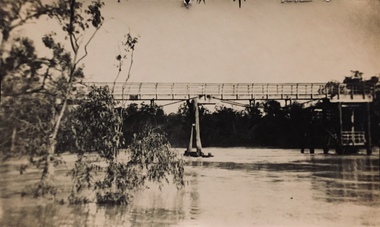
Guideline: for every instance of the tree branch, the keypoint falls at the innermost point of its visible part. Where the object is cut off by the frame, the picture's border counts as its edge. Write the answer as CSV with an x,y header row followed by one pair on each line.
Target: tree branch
x,y
71,27
130,66
86,45
117,76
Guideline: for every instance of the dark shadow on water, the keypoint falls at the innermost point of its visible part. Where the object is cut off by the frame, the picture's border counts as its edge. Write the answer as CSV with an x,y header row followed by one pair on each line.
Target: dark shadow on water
x,y
292,167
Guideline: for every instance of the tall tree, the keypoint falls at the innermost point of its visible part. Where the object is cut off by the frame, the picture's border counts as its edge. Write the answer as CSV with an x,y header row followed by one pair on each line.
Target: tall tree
x,y
96,127
47,80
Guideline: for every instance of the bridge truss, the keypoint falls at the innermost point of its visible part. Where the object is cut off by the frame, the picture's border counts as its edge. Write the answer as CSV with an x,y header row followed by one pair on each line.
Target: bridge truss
x,y
238,91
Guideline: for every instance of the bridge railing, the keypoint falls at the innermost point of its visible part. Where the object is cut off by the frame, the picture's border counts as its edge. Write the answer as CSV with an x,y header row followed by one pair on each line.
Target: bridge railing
x,y
227,91
353,138
236,91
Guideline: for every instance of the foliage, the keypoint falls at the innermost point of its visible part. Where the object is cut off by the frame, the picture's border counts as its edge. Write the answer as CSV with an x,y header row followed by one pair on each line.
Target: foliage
x,y
150,151
150,160
128,48
35,89
97,127
136,118
356,84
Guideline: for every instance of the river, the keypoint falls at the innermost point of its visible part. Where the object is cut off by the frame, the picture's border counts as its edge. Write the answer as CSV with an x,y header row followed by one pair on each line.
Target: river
x,y
237,187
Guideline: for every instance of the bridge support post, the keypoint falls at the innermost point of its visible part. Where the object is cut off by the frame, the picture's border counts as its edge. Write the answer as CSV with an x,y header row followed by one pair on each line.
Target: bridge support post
x,y
308,135
252,102
190,145
324,123
339,148
368,133
195,128
311,141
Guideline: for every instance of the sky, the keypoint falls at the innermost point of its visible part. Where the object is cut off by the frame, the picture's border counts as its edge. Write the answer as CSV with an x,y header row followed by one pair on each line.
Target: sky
x,y
264,41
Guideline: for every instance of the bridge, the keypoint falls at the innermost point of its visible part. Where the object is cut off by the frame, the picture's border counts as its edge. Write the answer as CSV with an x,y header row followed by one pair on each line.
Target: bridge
x,y
348,105
239,91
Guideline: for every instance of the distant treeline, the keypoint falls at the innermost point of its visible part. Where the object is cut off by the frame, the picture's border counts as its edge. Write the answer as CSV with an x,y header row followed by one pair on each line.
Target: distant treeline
x,y
263,124
266,124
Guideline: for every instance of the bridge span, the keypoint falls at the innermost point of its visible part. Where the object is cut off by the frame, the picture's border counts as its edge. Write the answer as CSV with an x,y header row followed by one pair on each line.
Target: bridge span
x,y
238,91
345,113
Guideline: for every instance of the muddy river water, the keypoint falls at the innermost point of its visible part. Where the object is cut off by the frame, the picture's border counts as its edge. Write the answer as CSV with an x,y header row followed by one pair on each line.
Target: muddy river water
x,y
237,187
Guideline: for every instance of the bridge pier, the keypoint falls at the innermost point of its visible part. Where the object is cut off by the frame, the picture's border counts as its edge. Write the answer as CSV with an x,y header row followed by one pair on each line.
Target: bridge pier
x,y
368,129
195,128
308,135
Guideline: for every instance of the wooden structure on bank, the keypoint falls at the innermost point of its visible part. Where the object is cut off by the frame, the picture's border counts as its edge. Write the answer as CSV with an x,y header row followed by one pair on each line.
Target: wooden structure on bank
x,y
345,113
346,125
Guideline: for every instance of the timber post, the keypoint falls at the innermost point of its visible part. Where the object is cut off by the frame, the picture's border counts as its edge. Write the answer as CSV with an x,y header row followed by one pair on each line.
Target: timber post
x,y
311,136
369,136
303,143
190,145
197,127
339,148
152,102
324,123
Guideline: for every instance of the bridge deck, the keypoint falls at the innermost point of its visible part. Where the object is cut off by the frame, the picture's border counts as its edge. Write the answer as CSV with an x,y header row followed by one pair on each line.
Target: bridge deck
x,y
237,91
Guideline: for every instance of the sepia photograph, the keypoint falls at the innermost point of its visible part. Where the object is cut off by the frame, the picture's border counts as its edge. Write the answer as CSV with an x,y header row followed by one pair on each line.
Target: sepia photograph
x,y
207,113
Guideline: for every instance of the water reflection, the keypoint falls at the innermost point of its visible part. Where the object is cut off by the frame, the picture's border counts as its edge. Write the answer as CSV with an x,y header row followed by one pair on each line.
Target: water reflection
x,y
194,196
352,178
342,178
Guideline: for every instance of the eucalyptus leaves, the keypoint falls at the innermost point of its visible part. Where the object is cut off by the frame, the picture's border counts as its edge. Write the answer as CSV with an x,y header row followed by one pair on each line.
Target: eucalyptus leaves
x,y
111,175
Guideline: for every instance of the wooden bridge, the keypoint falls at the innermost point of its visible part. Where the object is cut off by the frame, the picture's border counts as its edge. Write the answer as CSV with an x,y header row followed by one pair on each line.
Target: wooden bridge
x,y
348,103
239,91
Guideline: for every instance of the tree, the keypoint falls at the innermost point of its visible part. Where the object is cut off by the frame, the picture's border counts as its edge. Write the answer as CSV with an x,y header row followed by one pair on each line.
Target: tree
x,y
42,87
97,127
136,118
46,81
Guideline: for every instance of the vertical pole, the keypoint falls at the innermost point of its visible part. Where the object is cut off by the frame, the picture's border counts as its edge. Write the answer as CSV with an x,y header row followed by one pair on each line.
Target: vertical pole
x,y
252,102
369,136
311,141
353,125
324,124
197,128
339,146
190,145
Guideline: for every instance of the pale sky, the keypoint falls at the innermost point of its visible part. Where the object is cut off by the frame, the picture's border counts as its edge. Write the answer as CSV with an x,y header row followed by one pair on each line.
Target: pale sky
x,y
264,41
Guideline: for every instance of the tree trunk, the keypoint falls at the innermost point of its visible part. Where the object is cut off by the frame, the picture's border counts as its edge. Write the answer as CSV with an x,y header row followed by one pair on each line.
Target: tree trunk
x,y
13,140
48,175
